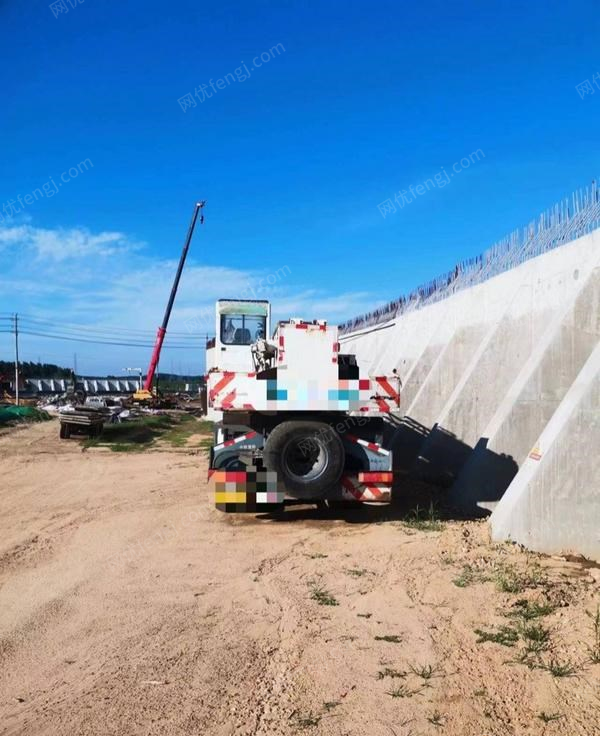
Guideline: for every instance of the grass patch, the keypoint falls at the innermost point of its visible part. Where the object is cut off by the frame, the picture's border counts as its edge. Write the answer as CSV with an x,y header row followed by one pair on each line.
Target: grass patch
x,y
466,578
530,610
436,719
536,637
308,721
557,668
388,672
402,691
202,426
330,705
426,672
510,580
205,444
506,636
594,649
549,717
356,572
143,432
391,638
323,597
185,426
425,520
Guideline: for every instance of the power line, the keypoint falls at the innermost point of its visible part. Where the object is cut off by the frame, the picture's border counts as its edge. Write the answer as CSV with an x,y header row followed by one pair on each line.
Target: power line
x,y
101,329
107,342
190,340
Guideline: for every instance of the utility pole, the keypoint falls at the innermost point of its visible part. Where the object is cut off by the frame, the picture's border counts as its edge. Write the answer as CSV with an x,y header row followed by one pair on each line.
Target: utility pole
x,y
16,359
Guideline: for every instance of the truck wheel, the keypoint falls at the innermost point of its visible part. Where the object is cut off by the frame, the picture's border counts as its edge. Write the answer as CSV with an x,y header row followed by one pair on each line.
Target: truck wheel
x,y
65,431
307,456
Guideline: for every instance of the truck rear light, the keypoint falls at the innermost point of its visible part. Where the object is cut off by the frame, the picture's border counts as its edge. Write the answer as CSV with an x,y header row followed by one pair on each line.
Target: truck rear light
x,y
373,477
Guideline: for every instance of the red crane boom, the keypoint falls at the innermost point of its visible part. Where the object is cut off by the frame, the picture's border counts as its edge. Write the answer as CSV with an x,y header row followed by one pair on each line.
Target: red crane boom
x,y
162,330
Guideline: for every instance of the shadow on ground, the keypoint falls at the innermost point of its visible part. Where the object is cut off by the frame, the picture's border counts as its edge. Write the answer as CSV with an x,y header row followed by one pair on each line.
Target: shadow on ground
x,y
438,478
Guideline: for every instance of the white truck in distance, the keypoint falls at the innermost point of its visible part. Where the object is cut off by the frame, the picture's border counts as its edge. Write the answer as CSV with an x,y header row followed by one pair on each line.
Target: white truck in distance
x,y
295,419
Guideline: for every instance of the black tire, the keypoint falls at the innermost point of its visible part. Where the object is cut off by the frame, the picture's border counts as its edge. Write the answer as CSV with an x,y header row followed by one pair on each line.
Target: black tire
x,y
65,431
307,456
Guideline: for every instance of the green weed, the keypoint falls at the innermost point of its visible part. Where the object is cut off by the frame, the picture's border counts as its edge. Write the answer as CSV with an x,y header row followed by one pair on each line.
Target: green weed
x,y
594,649
402,691
506,635
558,669
323,597
536,637
387,672
436,719
530,610
426,672
308,721
426,520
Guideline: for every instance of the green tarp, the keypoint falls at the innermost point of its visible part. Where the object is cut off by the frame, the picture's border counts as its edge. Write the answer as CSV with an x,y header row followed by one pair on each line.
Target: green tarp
x,y
22,414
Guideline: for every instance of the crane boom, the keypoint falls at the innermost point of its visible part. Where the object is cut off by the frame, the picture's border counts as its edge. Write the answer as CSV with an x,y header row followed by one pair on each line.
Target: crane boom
x,y
162,330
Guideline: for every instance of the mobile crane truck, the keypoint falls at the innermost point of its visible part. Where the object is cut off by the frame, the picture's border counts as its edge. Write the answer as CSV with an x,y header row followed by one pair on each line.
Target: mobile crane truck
x,y
296,420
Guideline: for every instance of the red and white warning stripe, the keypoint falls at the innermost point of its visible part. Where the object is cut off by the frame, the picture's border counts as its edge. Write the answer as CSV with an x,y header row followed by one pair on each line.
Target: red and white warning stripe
x,y
363,492
228,376
227,401
236,441
373,446
390,391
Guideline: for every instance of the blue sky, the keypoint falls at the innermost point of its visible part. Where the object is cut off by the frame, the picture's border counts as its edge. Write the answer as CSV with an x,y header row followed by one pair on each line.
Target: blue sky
x,y
358,103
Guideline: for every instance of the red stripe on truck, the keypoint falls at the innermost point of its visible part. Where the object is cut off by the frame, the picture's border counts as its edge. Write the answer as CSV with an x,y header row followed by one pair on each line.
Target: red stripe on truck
x,y
388,388
227,402
220,385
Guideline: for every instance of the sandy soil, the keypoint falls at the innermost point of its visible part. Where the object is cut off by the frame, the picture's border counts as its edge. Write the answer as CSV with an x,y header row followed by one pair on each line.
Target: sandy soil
x,y
129,605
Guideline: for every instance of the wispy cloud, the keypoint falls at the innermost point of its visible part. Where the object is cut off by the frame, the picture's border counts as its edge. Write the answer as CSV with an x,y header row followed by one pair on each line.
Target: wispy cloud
x,y
62,244
109,279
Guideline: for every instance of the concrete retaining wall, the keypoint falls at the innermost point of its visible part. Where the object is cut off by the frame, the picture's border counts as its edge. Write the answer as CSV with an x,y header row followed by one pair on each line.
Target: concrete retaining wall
x,y
553,504
484,373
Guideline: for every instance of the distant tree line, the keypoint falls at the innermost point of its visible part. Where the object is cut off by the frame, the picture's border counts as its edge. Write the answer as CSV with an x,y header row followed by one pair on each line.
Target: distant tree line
x,y
35,370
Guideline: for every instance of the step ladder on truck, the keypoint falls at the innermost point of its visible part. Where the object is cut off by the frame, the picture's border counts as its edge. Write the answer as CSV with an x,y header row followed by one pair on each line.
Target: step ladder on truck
x,y
295,421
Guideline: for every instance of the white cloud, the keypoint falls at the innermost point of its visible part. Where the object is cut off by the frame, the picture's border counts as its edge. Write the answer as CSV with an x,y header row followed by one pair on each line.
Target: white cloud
x,y
107,279
63,244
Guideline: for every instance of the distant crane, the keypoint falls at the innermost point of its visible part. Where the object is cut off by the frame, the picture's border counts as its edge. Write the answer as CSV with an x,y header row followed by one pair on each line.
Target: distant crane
x,y
145,394
139,373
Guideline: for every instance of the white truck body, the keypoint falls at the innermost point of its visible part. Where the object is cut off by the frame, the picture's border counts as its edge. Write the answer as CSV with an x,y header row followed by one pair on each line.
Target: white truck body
x,y
295,416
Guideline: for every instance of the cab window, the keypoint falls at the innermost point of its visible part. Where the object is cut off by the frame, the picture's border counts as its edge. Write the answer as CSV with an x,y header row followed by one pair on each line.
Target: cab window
x,y
242,329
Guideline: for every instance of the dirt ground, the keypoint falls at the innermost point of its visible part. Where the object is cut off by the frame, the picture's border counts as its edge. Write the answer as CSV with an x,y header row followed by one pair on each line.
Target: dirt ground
x,y
129,605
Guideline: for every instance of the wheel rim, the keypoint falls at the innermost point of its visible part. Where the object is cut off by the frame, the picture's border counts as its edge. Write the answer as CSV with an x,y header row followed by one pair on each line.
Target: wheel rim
x,y
305,459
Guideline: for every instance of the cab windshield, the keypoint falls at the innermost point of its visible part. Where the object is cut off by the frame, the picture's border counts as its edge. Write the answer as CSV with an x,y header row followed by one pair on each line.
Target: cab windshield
x,y
242,329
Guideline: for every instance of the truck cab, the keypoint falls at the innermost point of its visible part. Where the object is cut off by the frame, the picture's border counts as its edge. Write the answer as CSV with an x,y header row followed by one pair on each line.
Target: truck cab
x,y
239,323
